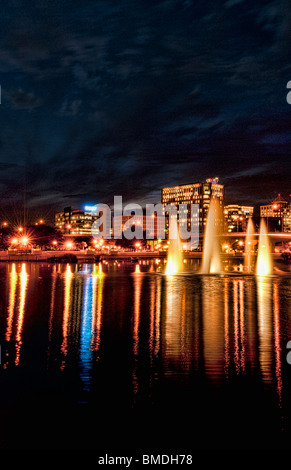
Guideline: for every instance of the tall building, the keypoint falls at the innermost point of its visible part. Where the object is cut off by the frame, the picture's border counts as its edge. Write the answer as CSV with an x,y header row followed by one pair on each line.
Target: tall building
x,y
74,221
277,215
195,193
236,217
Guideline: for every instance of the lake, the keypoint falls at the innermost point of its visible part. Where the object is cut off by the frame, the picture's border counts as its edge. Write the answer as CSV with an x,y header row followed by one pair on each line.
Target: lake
x,y
122,357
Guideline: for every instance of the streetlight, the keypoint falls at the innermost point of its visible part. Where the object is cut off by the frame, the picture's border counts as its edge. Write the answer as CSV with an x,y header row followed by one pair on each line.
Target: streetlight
x,y
24,240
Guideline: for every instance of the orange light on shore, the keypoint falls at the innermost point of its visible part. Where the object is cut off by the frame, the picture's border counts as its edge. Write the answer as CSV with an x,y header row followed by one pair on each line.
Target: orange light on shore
x,y
14,241
20,229
24,240
69,245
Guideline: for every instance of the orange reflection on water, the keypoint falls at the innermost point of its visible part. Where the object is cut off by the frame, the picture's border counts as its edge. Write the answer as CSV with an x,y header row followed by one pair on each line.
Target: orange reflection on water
x,y
278,365
242,324
12,299
137,283
67,302
178,325
239,325
96,311
265,327
22,298
213,327
226,328
155,316
52,305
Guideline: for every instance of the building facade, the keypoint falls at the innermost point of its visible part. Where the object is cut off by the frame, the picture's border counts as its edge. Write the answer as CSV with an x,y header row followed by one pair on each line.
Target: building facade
x,y
74,221
195,193
277,215
151,225
236,217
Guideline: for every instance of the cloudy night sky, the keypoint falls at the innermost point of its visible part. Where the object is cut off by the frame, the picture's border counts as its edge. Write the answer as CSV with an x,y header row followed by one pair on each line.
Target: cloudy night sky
x,y
123,97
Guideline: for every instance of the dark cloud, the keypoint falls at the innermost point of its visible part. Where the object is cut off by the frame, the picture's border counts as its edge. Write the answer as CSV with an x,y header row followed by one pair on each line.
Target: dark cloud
x,y
108,97
20,99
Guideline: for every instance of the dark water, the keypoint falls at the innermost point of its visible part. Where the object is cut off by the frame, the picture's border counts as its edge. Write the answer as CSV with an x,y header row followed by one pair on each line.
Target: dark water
x,y
142,361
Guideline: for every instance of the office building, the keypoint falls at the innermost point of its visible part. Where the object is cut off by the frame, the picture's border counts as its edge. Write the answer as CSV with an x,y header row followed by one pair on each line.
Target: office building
x,y
277,215
195,193
236,217
74,221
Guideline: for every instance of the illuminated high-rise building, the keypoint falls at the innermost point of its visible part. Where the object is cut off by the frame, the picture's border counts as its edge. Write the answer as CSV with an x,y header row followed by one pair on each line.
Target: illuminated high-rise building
x,y
277,214
195,193
236,217
75,221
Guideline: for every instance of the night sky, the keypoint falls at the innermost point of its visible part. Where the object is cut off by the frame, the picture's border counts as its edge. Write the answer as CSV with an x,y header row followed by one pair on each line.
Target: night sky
x,y
123,97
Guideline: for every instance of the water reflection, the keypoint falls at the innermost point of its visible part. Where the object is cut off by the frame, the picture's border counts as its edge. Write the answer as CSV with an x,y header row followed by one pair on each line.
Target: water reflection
x,y
178,327
12,298
137,283
68,277
86,330
19,323
213,326
277,341
265,327
97,311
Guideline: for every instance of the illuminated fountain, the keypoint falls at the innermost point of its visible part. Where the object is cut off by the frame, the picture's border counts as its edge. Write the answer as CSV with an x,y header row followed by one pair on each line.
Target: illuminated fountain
x,y
249,247
175,258
137,269
98,271
211,261
264,265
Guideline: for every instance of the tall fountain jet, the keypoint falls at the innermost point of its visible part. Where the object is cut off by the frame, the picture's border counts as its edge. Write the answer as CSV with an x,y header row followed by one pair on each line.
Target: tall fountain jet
x,y
175,258
264,265
211,260
249,247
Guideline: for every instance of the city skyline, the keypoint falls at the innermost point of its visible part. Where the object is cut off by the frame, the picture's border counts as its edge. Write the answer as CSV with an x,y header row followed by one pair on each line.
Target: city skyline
x,y
107,98
36,217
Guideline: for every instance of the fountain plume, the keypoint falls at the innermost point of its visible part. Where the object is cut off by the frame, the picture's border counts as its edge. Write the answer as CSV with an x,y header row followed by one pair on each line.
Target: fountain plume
x,y
211,261
175,258
264,260
249,247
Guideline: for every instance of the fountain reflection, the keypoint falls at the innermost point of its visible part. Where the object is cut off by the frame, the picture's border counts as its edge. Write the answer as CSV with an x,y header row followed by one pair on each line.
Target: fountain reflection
x,y
213,327
264,288
239,325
